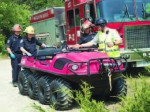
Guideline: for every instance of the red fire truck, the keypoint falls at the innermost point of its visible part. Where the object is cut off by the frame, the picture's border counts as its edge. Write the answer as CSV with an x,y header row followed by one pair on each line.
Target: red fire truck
x,y
131,18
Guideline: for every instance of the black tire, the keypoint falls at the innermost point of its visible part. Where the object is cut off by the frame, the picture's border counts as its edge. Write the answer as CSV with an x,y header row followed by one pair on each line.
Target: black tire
x,y
23,82
60,97
44,90
33,86
119,87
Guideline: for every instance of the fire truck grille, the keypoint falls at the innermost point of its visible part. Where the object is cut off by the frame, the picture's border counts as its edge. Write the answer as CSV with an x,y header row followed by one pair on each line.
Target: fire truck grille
x,y
137,37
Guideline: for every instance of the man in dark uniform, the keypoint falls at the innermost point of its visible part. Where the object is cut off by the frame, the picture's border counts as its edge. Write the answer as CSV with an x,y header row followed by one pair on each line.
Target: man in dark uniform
x,y
88,35
15,52
28,44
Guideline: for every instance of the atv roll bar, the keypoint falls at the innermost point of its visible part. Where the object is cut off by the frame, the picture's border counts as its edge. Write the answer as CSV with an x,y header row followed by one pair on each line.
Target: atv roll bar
x,y
111,63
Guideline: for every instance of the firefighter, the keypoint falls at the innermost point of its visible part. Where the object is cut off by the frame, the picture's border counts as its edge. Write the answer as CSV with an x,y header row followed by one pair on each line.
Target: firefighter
x,y
28,44
88,34
15,52
108,39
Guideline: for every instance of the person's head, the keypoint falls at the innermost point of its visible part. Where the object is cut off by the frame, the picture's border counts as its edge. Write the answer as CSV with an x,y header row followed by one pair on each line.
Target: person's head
x,y
101,23
87,27
16,29
29,32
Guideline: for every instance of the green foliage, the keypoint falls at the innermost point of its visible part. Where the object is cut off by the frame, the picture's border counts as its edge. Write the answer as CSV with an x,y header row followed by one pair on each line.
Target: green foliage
x,y
83,98
41,4
40,109
140,100
148,8
2,44
12,13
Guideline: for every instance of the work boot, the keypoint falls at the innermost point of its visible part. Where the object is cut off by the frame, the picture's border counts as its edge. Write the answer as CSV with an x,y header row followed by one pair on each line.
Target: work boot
x,y
15,84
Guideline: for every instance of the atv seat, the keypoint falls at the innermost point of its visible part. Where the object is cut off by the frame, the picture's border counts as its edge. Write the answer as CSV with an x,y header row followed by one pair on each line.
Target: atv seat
x,y
48,52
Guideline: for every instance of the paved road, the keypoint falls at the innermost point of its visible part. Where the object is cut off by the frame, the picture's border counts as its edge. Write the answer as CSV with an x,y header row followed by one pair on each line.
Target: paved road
x,y
10,98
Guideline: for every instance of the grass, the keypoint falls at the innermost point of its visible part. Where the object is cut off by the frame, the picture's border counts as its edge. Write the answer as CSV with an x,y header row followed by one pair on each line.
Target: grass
x,y
137,99
137,88
3,56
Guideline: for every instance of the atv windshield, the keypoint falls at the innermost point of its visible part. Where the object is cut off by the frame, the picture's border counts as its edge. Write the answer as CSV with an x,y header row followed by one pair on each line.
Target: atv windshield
x,y
116,10
143,9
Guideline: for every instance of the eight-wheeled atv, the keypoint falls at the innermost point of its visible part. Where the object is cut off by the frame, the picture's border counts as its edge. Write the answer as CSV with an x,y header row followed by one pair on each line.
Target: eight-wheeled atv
x,y
54,72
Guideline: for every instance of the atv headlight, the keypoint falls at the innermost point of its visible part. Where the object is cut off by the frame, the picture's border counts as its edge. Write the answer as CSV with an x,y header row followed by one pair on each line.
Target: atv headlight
x,y
74,67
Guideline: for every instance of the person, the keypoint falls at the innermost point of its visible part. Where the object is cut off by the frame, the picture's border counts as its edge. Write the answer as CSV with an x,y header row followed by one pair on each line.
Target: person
x,y
15,52
28,44
108,39
88,33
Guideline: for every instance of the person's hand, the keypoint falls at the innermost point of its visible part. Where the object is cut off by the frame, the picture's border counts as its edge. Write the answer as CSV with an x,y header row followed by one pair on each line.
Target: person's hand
x,y
110,44
12,56
44,45
29,54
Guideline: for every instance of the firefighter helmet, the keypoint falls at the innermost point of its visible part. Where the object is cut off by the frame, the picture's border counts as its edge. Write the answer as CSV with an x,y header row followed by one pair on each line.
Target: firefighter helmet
x,y
29,30
87,24
100,22
16,27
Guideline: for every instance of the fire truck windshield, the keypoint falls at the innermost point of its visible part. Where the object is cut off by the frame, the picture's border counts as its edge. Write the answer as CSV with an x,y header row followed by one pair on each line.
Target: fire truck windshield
x,y
143,9
123,10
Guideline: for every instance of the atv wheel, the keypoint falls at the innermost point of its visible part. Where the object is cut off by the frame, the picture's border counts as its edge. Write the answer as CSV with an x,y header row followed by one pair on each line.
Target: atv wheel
x,y
119,88
23,82
60,94
44,90
33,86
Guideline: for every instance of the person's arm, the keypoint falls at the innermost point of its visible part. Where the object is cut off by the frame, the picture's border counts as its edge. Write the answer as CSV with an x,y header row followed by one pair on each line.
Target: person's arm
x,y
88,44
39,43
94,41
9,50
117,40
22,48
8,46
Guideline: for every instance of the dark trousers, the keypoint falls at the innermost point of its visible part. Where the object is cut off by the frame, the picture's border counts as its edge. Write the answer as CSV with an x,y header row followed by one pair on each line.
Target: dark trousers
x,y
15,67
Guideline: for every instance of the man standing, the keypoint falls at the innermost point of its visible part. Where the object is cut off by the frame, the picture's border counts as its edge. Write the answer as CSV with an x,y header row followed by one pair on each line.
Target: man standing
x,y
15,52
107,39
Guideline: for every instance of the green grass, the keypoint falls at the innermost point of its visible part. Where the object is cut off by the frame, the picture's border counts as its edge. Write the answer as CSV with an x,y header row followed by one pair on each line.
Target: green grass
x,y
3,56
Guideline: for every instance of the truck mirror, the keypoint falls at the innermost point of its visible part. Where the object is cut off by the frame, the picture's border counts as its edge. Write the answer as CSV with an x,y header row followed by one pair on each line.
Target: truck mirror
x,y
87,11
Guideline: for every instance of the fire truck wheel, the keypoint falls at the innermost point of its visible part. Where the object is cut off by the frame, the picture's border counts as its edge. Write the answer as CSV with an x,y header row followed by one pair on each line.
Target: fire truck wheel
x,y
33,86
119,88
22,81
60,94
44,90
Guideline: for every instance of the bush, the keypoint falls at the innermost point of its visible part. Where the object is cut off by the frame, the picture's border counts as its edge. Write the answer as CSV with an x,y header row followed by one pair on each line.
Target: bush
x,y
40,109
140,100
83,98
2,44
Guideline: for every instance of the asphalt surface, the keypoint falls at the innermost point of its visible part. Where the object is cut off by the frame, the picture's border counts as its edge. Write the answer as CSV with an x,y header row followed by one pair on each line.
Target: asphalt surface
x,y
10,98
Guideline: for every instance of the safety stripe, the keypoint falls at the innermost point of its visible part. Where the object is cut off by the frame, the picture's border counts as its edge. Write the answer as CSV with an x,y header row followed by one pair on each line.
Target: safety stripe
x,y
112,50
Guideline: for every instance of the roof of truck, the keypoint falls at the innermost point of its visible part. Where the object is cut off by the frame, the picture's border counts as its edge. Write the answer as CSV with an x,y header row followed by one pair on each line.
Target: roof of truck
x,y
46,14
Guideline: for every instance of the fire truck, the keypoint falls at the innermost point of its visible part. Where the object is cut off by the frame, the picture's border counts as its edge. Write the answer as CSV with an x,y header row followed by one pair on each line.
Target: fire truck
x,y
131,18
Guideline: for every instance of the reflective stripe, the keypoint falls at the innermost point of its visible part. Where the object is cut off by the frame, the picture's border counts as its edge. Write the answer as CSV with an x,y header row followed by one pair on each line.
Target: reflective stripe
x,y
113,51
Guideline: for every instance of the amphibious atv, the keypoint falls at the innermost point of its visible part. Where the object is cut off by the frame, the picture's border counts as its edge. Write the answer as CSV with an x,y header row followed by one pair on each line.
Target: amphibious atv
x,y
54,72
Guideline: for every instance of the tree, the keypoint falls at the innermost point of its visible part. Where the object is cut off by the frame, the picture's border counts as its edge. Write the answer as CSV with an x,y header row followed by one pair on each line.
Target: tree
x,y
12,13
41,4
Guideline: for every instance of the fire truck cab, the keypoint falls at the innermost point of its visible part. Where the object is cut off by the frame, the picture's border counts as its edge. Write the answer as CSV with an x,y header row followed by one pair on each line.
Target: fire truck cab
x,y
131,18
